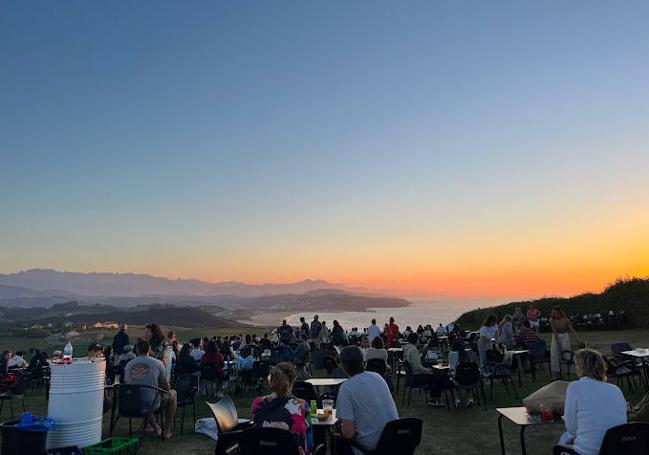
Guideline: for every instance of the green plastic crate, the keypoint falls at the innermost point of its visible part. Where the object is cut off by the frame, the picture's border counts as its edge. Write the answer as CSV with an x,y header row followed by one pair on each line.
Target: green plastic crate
x,y
113,446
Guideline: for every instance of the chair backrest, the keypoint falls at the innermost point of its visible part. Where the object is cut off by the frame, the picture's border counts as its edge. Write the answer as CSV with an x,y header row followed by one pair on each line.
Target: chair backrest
x,y
627,439
304,390
186,387
400,436
19,387
618,348
225,414
131,400
538,350
329,363
209,372
467,373
377,365
268,441
260,369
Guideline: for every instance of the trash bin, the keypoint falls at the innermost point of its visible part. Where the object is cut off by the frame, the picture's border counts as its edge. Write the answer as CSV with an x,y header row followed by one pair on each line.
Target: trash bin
x,y
19,441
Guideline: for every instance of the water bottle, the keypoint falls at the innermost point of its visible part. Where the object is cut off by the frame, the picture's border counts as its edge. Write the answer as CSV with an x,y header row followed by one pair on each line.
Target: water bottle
x,y
67,353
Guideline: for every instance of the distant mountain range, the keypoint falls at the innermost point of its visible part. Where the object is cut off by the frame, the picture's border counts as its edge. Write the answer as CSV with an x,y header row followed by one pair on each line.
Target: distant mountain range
x,y
41,282
38,288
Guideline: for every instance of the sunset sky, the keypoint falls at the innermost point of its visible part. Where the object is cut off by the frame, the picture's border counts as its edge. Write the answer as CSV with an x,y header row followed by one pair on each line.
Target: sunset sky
x,y
466,148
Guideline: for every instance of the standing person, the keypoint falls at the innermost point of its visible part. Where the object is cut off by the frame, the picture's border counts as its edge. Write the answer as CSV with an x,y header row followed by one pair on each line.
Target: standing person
x,y
517,319
120,340
338,335
364,405
393,332
154,334
373,331
145,370
325,337
533,316
592,406
304,328
316,331
506,332
285,332
487,333
561,330
441,330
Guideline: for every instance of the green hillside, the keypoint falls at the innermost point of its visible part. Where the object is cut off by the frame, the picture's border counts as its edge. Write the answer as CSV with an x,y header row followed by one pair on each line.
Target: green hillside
x,y
630,296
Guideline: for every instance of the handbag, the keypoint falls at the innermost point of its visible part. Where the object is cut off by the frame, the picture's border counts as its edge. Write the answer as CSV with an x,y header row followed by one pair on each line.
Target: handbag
x,y
552,396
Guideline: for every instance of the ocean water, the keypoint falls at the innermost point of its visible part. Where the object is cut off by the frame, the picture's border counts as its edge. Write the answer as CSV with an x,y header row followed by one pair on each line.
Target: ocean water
x,y
422,311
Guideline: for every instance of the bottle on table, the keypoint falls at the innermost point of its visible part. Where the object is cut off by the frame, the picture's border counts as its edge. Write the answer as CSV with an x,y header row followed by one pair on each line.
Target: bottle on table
x,y
67,352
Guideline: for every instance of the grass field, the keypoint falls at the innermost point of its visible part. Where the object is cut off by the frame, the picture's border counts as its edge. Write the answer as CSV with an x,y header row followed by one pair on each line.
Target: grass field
x,y
469,432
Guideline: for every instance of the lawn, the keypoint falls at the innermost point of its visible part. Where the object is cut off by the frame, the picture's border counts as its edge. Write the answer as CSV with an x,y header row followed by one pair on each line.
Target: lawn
x,y
474,431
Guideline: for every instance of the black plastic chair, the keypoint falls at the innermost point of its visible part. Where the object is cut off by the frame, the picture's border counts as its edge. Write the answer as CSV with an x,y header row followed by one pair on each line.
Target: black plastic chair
x,y
538,355
14,391
212,379
467,376
567,360
128,401
186,387
498,372
227,423
399,436
306,391
627,439
268,441
562,450
412,382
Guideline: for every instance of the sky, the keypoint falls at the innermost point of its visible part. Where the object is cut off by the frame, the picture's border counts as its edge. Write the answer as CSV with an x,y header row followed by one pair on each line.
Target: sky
x,y
432,148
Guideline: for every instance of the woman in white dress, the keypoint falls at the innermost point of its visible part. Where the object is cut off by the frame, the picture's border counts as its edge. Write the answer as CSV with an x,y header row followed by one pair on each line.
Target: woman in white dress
x,y
561,330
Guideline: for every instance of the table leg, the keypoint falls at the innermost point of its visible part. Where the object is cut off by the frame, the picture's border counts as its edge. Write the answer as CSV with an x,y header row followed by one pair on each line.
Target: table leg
x,y
523,450
519,365
500,432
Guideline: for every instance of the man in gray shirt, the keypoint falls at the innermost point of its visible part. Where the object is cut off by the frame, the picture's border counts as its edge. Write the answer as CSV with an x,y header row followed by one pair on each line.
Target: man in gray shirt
x,y
364,403
145,370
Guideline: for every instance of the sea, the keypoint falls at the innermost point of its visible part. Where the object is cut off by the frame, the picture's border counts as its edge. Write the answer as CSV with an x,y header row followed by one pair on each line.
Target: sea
x,y
421,311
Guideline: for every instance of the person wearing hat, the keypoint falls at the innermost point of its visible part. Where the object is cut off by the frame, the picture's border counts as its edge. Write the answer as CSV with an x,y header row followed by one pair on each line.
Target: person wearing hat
x,y
120,340
127,355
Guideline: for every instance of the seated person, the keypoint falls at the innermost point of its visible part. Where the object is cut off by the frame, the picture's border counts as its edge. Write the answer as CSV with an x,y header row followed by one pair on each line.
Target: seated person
x,y
213,357
145,370
436,382
186,363
197,349
527,335
376,350
281,409
126,356
6,377
95,352
245,360
364,405
592,405
17,361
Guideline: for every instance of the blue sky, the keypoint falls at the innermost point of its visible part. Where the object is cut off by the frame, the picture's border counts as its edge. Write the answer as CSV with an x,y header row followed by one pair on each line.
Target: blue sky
x,y
278,140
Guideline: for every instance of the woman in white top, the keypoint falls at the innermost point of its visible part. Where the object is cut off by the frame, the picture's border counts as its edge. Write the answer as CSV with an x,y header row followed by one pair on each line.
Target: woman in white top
x,y
592,405
376,351
487,333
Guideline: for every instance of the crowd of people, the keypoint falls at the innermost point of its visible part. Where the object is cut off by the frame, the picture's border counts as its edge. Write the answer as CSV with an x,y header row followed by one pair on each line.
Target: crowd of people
x,y
364,401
